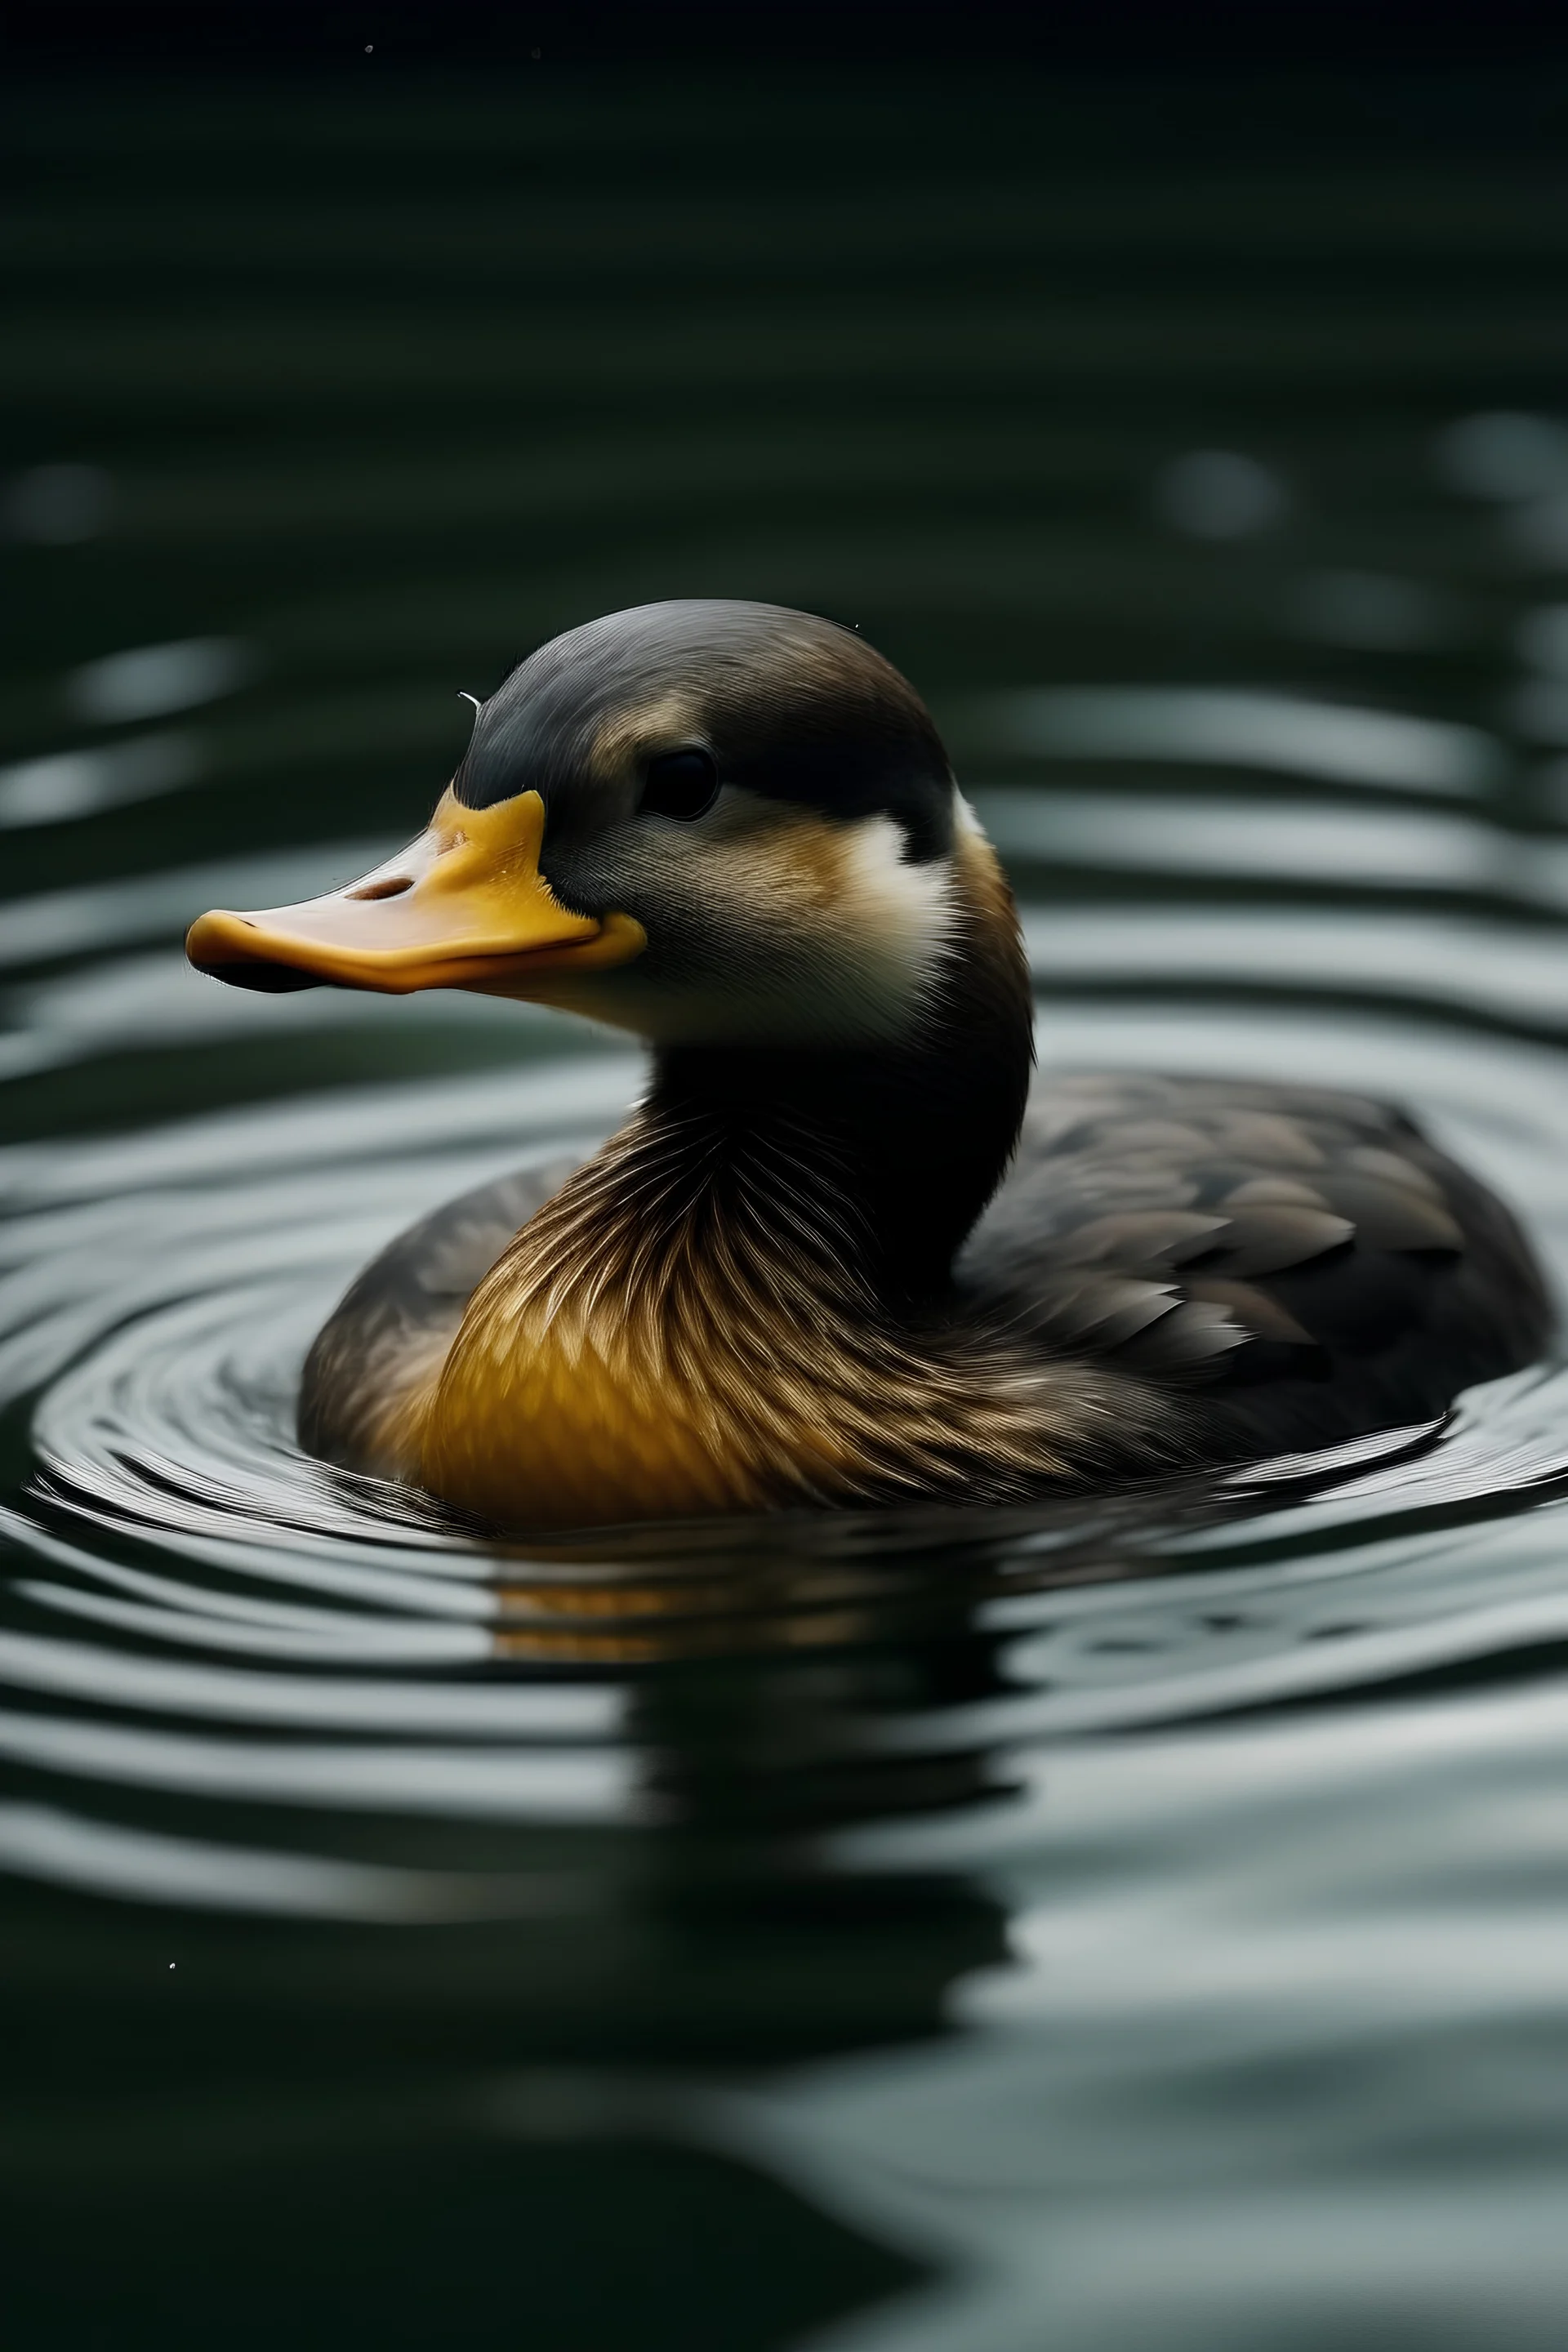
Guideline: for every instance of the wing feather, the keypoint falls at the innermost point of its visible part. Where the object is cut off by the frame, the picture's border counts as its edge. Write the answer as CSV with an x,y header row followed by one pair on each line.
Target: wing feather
x,y
1318,1263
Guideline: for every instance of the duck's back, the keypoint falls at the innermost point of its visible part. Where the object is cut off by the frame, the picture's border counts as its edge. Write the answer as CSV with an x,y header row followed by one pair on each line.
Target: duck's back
x,y
1304,1266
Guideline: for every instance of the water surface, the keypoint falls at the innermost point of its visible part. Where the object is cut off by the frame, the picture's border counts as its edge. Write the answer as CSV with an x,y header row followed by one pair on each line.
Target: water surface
x,y
1130,1926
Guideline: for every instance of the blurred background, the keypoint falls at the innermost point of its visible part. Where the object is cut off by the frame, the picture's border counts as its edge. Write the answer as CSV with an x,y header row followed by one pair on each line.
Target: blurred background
x,y
821,1957
341,372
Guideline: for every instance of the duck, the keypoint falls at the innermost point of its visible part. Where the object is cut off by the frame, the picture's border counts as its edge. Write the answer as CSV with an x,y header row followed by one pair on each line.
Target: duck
x,y
847,1250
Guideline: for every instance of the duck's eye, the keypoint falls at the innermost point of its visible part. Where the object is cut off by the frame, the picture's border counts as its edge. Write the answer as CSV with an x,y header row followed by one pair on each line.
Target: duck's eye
x,y
679,783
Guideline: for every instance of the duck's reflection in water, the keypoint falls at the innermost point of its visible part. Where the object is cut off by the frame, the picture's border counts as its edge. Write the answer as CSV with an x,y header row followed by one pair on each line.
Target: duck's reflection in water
x,y
402,2126
607,1828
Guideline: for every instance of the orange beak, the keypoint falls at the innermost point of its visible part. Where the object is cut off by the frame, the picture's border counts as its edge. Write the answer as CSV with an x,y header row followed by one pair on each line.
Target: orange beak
x,y
465,906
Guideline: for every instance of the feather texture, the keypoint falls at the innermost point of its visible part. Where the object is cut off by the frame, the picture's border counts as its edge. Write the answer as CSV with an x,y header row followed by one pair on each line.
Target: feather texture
x,y
680,1327
749,1297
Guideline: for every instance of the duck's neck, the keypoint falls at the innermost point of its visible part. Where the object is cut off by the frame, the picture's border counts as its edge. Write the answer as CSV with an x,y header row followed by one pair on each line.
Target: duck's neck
x,y
720,1310
895,1154
905,1141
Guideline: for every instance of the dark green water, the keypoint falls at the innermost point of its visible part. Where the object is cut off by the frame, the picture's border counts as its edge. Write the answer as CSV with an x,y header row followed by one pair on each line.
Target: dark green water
x,y
1118,1932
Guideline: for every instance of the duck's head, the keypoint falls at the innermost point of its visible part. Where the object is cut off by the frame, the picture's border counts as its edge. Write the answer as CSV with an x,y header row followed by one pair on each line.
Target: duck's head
x,y
704,822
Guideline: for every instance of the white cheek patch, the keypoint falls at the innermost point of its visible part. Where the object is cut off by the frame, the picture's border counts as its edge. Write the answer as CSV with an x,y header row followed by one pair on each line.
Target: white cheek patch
x,y
795,928
895,920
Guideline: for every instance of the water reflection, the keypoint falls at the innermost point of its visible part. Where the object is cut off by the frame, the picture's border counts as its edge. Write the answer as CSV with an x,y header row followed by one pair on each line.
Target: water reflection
x,y
161,1297
1279,841
101,1858
1131,1926
1504,454
150,681
1233,728
67,784
1376,612
1219,494
57,505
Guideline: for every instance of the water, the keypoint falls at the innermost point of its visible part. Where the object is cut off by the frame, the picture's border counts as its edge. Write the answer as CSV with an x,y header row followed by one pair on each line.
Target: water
x,y
1140,1926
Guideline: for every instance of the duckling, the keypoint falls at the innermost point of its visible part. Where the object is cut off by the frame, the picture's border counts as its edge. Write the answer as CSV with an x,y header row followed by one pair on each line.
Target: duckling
x,y
840,1253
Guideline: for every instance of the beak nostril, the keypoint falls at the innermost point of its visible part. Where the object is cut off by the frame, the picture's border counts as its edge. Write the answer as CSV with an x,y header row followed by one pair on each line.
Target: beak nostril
x,y
393,888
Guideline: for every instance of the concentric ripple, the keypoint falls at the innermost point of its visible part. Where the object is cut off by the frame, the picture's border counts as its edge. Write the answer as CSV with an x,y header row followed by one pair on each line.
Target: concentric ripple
x,y
230,1625
1135,1927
